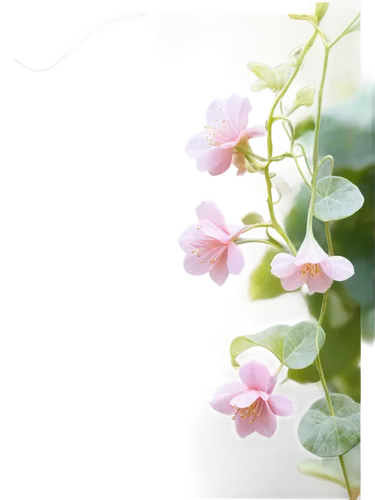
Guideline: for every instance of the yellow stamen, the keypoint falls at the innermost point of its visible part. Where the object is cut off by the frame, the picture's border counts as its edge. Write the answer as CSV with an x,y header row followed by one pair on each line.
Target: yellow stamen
x,y
311,269
251,413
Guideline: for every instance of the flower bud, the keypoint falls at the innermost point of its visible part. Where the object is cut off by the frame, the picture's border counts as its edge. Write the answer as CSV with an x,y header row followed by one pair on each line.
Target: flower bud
x,y
320,10
302,15
305,96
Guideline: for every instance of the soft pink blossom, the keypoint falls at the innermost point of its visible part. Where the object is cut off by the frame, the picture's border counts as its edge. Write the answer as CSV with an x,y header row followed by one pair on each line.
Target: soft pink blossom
x,y
209,245
227,126
311,265
250,401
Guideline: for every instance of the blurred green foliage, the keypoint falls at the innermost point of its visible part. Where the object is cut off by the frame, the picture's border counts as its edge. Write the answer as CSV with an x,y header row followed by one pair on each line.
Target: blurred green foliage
x,y
348,133
263,284
329,469
350,316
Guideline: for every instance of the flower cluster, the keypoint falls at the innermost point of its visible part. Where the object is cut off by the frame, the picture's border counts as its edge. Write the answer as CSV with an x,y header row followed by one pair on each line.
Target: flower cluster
x,y
212,246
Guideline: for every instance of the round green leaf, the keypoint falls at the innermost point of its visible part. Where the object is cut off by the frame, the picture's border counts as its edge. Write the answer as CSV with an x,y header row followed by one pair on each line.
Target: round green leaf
x,y
302,344
238,346
271,339
325,435
336,198
295,346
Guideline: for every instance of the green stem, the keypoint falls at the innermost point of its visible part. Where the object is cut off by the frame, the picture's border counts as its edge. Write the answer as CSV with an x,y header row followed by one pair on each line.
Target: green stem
x,y
304,156
344,471
256,226
344,31
329,238
316,143
275,223
270,121
260,240
302,174
278,370
284,119
323,381
318,363
327,157
284,90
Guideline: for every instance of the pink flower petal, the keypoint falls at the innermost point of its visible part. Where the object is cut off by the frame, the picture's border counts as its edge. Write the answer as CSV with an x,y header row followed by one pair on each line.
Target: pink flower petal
x,y
211,230
219,271
281,405
319,283
255,375
294,281
217,118
337,268
263,395
256,131
273,382
245,399
310,252
266,423
197,145
309,289
235,229
283,265
238,109
236,259
231,144
216,161
224,394
200,264
193,234
243,427
210,211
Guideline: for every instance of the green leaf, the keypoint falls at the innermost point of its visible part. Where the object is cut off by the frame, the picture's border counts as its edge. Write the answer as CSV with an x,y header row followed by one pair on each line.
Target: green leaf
x,y
302,344
238,346
355,26
283,72
295,346
271,339
263,284
342,346
302,17
330,470
252,218
325,435
295,54
336,198
325,167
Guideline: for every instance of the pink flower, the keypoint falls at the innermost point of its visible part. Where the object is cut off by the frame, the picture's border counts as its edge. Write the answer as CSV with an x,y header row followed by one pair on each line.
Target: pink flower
x,y
209,245
251,401
311,265
227,121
